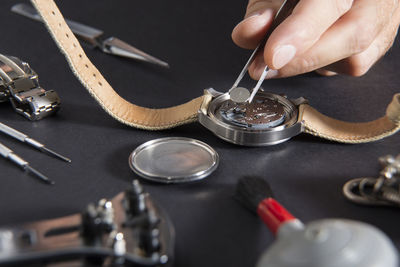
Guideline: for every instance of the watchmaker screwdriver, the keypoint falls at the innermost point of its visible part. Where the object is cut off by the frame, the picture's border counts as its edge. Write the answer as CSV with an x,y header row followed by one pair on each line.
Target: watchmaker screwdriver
x,y
9,154
26,139
241,94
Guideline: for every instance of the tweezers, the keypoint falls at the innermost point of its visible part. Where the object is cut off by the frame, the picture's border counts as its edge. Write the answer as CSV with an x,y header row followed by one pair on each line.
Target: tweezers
x,y
94,37
241,94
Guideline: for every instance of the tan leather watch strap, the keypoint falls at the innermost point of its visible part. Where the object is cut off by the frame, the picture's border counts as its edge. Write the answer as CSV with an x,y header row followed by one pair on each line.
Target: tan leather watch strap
x,y
100,89
156,119
352,132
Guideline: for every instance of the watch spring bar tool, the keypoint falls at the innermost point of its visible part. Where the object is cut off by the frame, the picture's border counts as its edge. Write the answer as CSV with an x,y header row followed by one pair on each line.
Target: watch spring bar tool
x,y
241,94
94,37
32,142
9,154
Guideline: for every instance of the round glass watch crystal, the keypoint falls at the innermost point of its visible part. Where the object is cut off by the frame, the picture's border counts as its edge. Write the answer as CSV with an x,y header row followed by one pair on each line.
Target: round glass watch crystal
x,y
260,113
174,160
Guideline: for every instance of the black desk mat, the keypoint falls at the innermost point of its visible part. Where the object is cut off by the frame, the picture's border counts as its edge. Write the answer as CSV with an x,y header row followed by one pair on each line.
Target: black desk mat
x,y
306,173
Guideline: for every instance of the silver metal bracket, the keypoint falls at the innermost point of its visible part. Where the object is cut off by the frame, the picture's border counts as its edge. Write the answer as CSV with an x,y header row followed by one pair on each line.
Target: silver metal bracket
x,y
19,84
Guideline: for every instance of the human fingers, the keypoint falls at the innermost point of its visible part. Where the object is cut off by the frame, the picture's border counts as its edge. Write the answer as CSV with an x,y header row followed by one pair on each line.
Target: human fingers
x,y
359,64
302,29
326,72
352,34
259,16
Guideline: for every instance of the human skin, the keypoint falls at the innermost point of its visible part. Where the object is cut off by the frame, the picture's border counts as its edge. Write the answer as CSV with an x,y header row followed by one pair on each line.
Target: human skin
x,y
328,36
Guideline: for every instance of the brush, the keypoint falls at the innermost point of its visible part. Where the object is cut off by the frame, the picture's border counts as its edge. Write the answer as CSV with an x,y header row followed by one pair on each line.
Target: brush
x,y
256,195
320,243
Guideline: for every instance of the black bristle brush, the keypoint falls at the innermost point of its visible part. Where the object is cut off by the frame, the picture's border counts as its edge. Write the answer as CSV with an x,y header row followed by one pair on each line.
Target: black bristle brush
x,y
256,195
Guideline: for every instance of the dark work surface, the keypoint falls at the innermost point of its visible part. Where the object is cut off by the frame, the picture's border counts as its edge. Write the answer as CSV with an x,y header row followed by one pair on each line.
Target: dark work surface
x,y
305,173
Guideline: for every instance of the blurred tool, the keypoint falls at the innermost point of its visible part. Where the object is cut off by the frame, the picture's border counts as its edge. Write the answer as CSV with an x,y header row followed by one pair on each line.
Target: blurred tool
x,y
241,94
19,84
95,37
130,229
32,142
381,191
9,154
328,243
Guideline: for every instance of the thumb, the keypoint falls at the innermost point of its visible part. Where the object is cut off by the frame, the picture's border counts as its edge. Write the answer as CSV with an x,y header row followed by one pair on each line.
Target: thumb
x,y
259,16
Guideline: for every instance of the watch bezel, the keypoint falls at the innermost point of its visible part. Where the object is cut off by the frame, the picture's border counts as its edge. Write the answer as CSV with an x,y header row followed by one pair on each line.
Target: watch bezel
x,y
248,136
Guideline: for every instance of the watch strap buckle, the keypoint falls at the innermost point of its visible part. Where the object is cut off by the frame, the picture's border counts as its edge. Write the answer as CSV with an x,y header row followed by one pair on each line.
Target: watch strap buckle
x,y
36,104
23,90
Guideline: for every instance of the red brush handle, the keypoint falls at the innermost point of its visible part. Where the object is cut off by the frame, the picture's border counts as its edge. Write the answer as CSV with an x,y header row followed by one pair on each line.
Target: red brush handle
x,y
273,214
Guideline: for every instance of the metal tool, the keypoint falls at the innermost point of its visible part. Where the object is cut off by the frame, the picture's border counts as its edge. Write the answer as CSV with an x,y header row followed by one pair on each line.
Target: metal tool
x,y
130,229
9,154
95,37
381,191
32,142
19,84
241,94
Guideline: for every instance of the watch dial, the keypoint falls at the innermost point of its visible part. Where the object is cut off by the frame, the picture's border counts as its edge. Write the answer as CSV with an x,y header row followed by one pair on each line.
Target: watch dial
x,y
261,113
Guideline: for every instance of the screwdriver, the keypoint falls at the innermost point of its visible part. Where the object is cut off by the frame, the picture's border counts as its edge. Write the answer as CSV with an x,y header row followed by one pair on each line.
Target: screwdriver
x,y
9,154
26,139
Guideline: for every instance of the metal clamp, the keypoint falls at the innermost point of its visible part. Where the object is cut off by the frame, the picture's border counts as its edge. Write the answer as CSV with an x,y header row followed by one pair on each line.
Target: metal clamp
x,y
20,85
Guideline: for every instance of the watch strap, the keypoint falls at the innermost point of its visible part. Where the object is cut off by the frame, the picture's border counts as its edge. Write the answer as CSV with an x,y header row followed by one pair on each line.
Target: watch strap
x,y
323,126
156,119
101,90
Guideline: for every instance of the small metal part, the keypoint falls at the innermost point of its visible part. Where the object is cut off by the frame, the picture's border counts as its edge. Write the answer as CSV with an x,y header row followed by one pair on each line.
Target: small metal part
x,y
94,37
19,84
135,197
284,11
270,119
351,192
384,190
149,240
173,160
32,142
239,94
9,154
119,245
106,211
97,220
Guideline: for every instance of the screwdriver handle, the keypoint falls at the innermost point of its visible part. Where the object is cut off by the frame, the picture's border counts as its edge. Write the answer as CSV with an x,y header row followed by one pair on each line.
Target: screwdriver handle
x,y
12,132
4,151
9,154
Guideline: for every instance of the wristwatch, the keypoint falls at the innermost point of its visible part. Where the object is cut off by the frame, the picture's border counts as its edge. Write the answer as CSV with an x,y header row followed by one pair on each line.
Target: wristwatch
x,y
270,120
19,84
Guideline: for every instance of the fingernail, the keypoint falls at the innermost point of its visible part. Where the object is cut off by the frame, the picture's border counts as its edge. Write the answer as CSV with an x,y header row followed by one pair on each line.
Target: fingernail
x,y
283,55
254,14
258,14
272,74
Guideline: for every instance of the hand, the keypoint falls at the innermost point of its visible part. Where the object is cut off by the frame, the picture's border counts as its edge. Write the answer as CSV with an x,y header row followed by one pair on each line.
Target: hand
x,y
330,36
